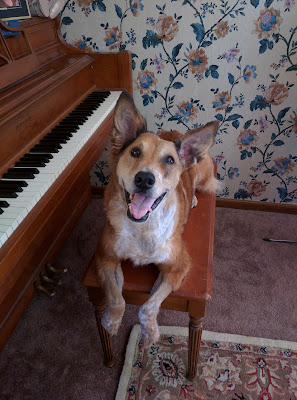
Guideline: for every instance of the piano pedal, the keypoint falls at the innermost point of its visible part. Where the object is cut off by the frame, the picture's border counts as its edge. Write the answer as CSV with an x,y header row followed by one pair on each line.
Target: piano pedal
x,y
52,280
38,286
50,268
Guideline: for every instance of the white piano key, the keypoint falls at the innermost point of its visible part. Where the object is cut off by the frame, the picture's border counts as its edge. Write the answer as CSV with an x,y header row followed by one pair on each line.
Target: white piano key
x,y
20,207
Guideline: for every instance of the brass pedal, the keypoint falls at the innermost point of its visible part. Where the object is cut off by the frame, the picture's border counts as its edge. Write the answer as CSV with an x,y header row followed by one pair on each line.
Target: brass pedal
x,y
42,289
53,281
50,268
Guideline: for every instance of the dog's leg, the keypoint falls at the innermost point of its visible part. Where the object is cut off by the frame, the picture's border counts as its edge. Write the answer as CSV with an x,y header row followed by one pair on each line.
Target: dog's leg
x,y
170,279
111,274
149,311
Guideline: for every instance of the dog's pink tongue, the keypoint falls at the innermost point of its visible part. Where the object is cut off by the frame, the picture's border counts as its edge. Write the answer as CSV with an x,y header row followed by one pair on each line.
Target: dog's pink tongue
x,y
140,205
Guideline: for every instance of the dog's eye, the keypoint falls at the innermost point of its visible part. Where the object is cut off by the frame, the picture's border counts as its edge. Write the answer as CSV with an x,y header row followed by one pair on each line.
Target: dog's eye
x,y
135,152
169,160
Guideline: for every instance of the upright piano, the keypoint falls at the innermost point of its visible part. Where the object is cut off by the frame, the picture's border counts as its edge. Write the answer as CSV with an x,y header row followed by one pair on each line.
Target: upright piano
x,y
56,109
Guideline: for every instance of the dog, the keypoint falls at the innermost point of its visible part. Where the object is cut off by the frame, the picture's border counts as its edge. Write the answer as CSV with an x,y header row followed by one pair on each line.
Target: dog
x,y
151,191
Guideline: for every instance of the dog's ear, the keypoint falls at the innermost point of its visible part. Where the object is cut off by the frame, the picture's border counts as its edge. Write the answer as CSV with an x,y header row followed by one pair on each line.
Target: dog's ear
x,y
128,123
195,142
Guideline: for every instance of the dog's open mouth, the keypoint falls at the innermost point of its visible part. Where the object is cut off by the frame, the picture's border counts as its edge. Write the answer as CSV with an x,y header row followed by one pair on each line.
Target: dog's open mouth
x,y
141,205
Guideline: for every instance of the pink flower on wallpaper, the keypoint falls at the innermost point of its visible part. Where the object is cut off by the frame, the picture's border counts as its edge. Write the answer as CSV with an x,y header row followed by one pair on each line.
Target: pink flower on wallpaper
x,y
158,63
230,55
262,124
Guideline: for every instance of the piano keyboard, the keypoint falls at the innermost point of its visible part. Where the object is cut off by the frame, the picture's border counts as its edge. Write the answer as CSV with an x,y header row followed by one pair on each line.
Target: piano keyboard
x,y
22,186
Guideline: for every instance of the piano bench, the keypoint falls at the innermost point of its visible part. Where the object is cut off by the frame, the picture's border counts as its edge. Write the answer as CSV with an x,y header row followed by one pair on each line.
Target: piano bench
x,y
191,297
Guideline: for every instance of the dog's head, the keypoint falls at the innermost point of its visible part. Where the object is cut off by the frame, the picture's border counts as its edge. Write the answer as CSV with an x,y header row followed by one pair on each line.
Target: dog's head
x,y
147,166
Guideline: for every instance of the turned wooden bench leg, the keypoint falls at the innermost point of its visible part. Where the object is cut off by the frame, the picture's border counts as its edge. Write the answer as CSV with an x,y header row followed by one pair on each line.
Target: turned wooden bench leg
x,y
104,336
196,314
96,297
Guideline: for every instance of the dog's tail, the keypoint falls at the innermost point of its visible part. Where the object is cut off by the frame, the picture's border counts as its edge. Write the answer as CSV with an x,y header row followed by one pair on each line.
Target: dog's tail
x,y
203,175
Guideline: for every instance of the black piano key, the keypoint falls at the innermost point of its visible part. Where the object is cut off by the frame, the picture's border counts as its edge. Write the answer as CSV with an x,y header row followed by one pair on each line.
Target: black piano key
x,y
43,157
18,175
11,187
44,147
60,129
7,194
12,183
4,204
54,139
25,170
69,125
1,211
21,173
50,142
87,113
75,118
28,163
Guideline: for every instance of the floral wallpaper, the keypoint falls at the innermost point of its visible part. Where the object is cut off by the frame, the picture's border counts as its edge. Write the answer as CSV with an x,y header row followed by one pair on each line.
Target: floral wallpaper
x,y
196,61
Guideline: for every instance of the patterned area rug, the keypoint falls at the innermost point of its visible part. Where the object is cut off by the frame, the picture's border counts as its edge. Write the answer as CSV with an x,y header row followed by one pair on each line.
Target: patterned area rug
x,y
231,367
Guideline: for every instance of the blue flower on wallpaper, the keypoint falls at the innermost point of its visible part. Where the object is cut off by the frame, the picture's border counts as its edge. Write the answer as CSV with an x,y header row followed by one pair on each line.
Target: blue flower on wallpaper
x,y
113,38
221,101
246,138
268,22
249,72
233,172
187,111
136,7
283,165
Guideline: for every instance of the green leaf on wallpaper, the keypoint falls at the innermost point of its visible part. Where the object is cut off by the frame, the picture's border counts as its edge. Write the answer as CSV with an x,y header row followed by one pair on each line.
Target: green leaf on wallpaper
x,y
235,123
171,77
118,11
98,3
234,117
219,117
242,194
282,192
199,31
282,113
67,21
150,39
263,46
273,136
177,85
143,64
206,43
255,3
230,78
176,50
292,68
145,99
259,102
268,3
247,124
278,143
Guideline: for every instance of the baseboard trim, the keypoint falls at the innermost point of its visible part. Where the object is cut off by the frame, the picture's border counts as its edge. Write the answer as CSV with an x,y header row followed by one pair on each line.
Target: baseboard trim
x,y
257,205
98,192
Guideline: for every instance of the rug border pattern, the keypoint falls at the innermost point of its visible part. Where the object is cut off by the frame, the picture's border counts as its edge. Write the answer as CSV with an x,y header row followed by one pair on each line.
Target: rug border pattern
x,y
183,331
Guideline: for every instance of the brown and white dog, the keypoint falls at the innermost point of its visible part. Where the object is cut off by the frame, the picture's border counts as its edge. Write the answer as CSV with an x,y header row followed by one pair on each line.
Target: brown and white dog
x,y
148,200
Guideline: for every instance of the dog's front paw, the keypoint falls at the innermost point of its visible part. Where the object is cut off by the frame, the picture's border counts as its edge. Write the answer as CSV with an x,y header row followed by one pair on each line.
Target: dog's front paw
x,y
112,318
149,327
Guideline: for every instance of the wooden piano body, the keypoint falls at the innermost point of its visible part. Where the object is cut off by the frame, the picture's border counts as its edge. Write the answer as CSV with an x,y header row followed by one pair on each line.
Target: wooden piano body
x,y
60,77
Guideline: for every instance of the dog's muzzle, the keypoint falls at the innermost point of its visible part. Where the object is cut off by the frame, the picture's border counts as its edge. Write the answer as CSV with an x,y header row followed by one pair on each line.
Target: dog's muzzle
x,y
140,206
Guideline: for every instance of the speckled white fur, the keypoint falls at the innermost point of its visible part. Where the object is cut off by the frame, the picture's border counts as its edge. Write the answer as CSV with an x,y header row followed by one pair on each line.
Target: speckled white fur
x,y
144,242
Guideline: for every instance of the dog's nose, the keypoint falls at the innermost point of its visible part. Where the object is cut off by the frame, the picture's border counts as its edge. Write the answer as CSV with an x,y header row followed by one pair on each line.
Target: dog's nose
x,y
144,180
